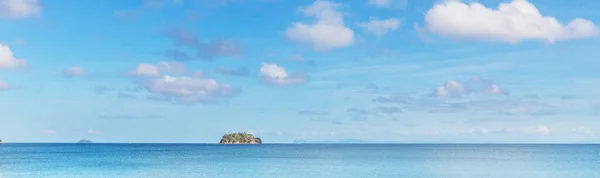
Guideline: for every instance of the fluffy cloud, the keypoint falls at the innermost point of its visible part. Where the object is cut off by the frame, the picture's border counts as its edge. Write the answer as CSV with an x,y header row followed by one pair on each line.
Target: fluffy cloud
x,y
275,75
511,22
73,71
380,27
187,89
8,60
17,9
450,89
475,85
4,86
147,70
544,130
204,50
150,70
328,32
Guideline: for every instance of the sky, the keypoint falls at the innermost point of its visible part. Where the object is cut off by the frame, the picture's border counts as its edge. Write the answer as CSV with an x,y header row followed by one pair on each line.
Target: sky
x,y
406,71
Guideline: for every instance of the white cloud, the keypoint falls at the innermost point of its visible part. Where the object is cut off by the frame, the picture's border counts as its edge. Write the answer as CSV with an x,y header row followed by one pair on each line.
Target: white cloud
x,y
8,60
479,85
451,89
147,70
150,70
475,85
380,27
511,22
16,9
187,89
494,89
328,32
172,67
174,82
542,130
73,71
276,75
4,86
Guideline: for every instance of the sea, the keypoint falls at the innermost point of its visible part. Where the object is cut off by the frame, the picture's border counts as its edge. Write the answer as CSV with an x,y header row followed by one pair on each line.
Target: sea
x,y
300,160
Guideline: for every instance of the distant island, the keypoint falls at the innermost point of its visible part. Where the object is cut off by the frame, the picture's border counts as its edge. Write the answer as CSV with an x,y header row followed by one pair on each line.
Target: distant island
x,y
0,140
84,141
240,138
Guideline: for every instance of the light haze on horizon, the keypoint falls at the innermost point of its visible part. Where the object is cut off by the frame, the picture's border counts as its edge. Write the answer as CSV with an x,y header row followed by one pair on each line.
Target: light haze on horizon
x,y
187,71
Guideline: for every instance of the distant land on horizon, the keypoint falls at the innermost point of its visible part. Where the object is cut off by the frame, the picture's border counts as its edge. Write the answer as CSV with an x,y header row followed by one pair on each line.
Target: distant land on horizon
x,y
84,141
341,141
335,141
359,141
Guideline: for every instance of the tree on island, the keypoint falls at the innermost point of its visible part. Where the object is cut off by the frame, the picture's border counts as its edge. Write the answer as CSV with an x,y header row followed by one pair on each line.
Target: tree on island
x,y
240,138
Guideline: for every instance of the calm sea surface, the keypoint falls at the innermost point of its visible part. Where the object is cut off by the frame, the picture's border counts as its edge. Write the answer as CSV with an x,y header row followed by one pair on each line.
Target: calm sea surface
x,y
299,160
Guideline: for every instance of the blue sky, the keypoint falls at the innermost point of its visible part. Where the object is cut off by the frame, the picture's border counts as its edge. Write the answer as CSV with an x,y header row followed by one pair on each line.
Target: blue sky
x,y
380,70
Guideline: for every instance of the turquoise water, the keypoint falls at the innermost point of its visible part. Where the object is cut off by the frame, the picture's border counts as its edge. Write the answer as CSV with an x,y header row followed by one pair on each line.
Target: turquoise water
x,y
299,160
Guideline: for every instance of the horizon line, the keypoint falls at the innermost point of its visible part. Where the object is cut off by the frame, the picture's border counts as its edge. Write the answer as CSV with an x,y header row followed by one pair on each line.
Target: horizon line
x,y
321,143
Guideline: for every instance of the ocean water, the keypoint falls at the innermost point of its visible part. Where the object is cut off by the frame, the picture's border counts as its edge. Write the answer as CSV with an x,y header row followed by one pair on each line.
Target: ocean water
x,y
300,160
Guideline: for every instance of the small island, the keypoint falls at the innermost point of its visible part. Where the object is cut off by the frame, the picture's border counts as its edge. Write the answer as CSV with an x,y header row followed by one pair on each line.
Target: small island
x,y
0,141
84,141
240,138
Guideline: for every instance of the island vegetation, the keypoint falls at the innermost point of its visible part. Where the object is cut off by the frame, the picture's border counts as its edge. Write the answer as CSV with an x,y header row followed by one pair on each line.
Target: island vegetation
x,y
0,140
240,138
